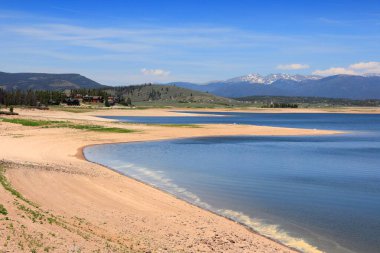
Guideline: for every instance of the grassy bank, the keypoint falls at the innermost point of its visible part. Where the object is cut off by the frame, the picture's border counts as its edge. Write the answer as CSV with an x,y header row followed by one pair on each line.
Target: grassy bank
x,y
66,124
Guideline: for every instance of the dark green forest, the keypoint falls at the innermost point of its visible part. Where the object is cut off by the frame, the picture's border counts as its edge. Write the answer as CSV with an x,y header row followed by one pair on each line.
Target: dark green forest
x,y
45,97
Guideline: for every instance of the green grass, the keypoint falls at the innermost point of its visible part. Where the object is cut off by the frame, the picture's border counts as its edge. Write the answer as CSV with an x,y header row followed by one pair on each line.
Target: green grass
x,y
8,187
74,109
30,122
35,215
3,210
99,128
66,124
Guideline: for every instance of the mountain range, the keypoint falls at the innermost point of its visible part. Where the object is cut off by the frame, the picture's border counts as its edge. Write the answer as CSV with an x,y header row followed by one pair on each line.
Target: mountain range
x,y
337,86
271,78
43,81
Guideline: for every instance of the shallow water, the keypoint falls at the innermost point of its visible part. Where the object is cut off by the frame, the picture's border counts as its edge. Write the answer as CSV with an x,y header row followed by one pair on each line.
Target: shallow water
x,y
322,190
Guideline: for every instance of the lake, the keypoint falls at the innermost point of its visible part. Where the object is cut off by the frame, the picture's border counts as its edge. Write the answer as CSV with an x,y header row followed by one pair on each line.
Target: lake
x,y
309,192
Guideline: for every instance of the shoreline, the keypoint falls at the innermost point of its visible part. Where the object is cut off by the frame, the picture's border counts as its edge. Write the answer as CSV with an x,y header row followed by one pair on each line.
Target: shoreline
x,y
250,229
235,219
56,154
174,111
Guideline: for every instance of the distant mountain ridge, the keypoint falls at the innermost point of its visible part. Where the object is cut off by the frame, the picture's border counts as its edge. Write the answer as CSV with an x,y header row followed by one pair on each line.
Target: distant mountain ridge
x,y
43,81
337,86
271,78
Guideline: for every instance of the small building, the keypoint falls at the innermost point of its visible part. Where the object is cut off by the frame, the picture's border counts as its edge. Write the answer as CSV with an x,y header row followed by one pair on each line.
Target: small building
x,y
112,100
93,99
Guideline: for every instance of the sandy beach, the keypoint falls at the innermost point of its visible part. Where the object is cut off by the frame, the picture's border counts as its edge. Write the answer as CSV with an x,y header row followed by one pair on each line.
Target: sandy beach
x,y
67,204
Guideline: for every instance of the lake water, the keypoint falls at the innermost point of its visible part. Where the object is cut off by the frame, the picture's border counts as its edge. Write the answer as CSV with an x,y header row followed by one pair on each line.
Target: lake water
x,y
313,193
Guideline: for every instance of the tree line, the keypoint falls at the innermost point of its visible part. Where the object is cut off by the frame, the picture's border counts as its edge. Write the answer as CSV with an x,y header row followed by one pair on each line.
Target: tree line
x,y
36,97
280,105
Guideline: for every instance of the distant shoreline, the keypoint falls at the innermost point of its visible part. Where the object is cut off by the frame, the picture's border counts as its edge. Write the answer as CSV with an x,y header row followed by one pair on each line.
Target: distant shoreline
x,y
175,111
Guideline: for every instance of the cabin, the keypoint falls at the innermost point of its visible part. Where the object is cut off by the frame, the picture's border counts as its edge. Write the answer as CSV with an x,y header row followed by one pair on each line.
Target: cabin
x,y
93,99
112,100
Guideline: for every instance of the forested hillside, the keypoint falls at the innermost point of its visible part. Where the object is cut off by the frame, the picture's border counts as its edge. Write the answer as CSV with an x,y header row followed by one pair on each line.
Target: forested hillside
x,y
42,81
151,92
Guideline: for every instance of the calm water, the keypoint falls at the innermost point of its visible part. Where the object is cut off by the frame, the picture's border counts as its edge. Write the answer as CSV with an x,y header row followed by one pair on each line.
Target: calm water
x,y
307,192
297,120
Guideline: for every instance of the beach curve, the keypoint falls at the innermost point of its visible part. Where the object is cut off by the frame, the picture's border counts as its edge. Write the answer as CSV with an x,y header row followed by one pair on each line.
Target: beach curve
x,y
57,171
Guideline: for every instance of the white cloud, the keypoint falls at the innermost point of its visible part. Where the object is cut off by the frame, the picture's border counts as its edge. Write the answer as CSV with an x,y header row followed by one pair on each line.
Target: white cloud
x,y
368,67
154,72
208,50
334,71
146,39
294,66
359,68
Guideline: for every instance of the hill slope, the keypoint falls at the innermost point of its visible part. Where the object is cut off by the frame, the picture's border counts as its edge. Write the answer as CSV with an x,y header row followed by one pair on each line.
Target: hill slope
x,y
42,81
166,93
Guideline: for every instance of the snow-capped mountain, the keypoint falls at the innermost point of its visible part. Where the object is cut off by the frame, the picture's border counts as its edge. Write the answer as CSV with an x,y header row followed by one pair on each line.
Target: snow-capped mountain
x,y
271,78
366,86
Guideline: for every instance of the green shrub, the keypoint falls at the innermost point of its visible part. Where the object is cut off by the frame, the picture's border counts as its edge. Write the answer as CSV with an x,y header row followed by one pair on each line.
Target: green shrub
x,y
3,210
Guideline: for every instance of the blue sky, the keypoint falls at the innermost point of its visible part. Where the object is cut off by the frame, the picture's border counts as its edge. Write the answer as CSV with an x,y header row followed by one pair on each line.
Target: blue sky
x,y
126,42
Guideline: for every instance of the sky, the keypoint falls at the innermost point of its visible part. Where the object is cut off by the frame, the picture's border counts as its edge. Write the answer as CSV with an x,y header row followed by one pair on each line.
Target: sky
x,y
121,42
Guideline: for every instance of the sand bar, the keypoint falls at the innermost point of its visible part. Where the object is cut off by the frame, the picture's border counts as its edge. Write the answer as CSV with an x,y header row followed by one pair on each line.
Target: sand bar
x,y
172,112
